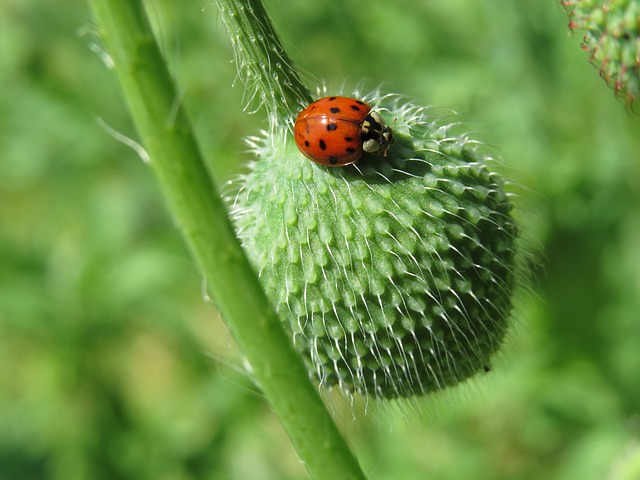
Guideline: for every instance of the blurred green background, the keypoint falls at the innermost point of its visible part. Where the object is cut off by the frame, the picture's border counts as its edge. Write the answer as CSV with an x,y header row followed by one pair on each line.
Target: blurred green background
x,y
114,365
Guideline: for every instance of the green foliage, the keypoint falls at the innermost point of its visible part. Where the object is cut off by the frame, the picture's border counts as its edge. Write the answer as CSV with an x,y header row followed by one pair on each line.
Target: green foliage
x,y
114,367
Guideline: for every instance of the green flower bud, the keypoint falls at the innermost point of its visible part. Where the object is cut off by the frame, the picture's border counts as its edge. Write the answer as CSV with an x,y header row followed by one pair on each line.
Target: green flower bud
x,y
394,276
612,38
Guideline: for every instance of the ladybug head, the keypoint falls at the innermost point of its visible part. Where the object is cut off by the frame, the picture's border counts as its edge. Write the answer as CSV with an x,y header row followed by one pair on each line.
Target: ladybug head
x,y
377,136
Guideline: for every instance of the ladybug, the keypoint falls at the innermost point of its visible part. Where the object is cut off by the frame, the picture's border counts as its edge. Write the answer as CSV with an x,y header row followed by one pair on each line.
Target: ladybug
x,y
334,131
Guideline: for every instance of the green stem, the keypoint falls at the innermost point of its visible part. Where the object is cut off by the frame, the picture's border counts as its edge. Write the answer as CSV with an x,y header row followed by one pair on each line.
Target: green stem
x,y
193,200
263,64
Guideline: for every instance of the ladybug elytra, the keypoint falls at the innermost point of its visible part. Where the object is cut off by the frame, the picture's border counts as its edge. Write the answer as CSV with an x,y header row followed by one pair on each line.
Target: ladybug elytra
x,y
335,131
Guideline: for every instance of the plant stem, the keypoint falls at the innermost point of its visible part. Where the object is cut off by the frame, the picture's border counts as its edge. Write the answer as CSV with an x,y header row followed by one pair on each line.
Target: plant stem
x,y
201,215
263,64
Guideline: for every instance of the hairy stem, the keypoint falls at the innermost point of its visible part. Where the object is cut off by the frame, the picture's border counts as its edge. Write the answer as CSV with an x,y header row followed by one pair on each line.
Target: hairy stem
x,y
263,65
194,202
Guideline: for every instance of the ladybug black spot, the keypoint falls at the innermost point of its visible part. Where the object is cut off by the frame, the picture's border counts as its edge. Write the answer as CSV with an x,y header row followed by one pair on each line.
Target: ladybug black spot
x,y
334,110
358,101
331,99
351,150
331,127
348,139
306,143
322,144
355,107
333,160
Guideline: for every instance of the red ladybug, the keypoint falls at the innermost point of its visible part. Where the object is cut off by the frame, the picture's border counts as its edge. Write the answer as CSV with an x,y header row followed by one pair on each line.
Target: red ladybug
x,y
334,131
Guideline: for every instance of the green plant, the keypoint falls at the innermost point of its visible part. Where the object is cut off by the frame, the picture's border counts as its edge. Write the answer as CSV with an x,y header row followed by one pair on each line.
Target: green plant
x,y
394,278
193,200
612,39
